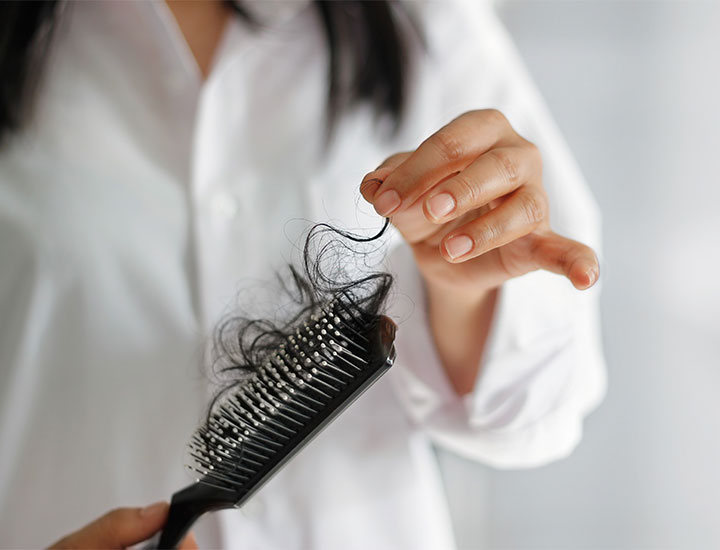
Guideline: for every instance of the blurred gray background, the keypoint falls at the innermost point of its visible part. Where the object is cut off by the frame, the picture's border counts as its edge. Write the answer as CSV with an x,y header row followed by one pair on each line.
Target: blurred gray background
x,y
635,87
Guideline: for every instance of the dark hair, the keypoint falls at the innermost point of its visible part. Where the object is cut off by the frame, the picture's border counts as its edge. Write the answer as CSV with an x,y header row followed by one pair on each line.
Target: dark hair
x,y
333,270
367,36
25,32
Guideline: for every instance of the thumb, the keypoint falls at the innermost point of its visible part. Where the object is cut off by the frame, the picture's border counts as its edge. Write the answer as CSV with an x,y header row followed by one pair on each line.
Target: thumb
x,y
119,528
564,256
372,180
188,543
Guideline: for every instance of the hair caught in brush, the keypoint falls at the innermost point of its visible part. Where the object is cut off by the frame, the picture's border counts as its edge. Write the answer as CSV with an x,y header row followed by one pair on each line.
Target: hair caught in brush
x,y
242,343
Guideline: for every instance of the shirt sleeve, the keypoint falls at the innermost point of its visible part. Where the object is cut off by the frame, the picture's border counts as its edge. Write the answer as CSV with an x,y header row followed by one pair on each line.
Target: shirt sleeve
x,y
543,369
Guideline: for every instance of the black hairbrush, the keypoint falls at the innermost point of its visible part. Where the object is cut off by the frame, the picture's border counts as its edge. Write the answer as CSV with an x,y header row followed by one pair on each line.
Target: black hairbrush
x,y
323,365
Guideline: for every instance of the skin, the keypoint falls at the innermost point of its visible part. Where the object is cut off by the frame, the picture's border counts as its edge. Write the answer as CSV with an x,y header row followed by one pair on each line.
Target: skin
x,y
202,23
471,204
121,528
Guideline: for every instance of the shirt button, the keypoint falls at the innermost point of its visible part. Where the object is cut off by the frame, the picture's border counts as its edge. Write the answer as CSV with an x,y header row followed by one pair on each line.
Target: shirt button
x,y
224,205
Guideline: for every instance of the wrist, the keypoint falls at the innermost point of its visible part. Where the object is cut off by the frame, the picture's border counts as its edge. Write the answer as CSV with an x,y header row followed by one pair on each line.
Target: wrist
x,y
457,298
460,322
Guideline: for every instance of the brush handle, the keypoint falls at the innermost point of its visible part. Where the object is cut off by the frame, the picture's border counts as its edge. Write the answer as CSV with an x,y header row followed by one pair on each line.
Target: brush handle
x,y
187,505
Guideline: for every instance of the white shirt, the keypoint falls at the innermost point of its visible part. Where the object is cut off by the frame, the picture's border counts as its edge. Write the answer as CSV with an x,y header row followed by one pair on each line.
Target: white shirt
x,y
142,204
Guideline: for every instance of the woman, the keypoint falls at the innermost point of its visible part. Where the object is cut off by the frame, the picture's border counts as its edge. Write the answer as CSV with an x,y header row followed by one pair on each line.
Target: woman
x,y
168,147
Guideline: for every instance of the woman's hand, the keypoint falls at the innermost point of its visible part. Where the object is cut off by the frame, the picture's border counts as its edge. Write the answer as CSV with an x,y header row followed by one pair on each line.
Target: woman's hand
x,y
121,528
470,201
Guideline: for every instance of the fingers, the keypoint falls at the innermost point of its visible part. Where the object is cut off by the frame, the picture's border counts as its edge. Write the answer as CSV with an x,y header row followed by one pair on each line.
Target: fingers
x,y
473,187
493,175
521,213
564,256
371,182
119,528
451,149
188,543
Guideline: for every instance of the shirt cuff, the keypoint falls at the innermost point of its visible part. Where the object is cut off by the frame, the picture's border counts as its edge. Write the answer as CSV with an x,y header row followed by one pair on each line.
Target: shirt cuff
x,y
542,370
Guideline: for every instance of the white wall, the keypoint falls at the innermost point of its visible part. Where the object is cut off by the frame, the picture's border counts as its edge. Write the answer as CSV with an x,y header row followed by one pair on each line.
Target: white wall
x,y
635,88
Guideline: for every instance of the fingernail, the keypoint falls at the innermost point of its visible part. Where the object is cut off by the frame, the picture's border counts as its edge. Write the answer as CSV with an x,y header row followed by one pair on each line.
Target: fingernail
x,y
387,202
370,186
458,246
441,205
592,276
365,182
367,178
153,509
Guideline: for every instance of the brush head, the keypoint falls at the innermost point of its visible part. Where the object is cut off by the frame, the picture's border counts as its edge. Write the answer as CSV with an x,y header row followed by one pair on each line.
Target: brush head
x,y
323,365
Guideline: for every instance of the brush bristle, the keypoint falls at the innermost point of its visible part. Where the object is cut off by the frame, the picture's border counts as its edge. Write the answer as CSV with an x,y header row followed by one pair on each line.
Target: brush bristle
x,y
254,426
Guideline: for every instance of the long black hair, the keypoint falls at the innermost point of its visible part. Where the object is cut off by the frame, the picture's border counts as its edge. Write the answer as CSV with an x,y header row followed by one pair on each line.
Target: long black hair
x,y
367,35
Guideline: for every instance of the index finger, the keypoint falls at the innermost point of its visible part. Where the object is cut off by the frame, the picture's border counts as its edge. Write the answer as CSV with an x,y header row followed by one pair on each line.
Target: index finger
x,y
118,528
447,151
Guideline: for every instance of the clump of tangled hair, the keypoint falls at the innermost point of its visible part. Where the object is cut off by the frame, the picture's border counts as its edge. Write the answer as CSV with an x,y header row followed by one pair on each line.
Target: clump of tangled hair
x,y
243,343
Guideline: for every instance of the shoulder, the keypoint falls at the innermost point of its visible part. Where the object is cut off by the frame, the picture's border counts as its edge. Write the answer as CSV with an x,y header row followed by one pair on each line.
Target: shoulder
x,y
448,22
